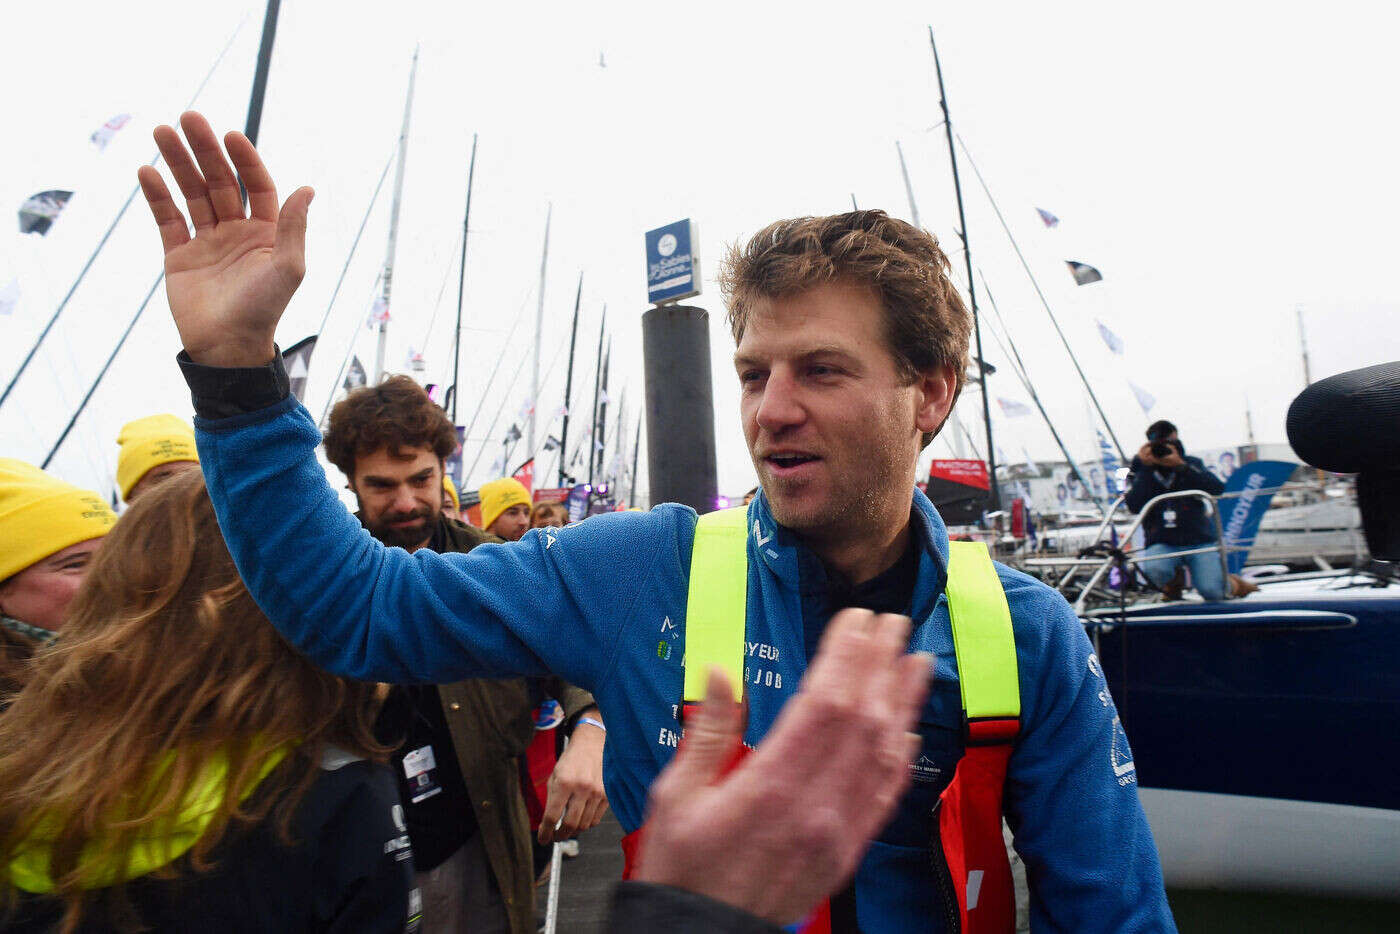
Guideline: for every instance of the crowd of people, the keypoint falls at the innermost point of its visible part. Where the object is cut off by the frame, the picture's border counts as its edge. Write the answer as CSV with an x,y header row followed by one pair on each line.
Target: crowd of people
x,y
238,706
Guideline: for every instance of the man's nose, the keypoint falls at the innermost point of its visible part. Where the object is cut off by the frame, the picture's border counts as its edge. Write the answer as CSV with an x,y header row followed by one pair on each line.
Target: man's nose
x,y
403,500
781,406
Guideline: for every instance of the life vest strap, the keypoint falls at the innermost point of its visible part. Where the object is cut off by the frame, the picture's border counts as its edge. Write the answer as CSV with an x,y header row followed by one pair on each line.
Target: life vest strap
x,y
990,731
717,601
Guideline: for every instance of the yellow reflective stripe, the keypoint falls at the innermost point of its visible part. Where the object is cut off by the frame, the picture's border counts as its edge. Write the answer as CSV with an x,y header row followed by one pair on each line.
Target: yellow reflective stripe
x,y
716,605
982,634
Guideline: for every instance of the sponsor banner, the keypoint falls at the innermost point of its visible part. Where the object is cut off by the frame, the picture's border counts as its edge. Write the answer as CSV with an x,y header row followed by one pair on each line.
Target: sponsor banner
x,y
556,494
959,489
1240,515
967,472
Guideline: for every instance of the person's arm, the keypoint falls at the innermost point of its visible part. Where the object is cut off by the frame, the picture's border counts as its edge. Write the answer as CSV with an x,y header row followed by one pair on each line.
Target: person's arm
x,y
1142,486
553,601
355,607
577,799
1200,478
1071,789
575,790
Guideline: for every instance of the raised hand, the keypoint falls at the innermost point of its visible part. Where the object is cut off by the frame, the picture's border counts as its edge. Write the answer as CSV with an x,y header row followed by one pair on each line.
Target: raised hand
x,y
228,284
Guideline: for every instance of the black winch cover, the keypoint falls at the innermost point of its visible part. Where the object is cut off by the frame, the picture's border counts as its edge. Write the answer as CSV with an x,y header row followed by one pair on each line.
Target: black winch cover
x,y
1350,423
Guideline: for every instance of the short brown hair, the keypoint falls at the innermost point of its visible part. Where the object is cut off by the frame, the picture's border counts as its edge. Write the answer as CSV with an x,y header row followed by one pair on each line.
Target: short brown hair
x,y
926,323
396,414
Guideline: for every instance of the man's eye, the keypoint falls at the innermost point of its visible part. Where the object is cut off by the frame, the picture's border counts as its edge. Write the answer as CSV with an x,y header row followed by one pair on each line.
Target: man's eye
x,y
750,376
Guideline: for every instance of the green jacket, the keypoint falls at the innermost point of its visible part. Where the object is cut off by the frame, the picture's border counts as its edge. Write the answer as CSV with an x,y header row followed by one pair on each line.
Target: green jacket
x,y
492,723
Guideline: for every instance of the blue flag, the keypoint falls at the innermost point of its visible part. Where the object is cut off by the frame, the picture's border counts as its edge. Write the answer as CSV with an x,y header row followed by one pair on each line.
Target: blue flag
x,y
1240,515
1109,460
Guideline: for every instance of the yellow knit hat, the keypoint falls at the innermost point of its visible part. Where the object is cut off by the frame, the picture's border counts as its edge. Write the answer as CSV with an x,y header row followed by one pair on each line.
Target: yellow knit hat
x,y
450,489
149,442
498,496
41,515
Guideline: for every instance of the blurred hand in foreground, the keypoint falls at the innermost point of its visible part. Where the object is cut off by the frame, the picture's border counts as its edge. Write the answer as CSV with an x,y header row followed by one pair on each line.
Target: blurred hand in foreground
x,y
789,825
228,284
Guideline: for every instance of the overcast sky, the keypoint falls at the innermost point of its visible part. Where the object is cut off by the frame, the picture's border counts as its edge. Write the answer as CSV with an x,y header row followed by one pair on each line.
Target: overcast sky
x,y
1223,165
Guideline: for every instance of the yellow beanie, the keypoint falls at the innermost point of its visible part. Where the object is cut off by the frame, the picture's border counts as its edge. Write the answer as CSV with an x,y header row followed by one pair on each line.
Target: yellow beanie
x,y
450,489
149,442
498,496
41,515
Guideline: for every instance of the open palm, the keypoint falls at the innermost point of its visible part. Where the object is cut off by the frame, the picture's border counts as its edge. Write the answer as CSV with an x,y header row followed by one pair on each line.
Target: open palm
x,y
228,284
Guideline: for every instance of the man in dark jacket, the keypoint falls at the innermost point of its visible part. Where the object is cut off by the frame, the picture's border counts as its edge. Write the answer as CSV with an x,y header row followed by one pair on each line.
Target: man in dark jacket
x,y
1178,525
458,743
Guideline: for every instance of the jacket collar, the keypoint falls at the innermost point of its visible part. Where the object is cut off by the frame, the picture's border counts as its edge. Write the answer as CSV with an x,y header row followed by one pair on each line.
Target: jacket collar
x,y
779,547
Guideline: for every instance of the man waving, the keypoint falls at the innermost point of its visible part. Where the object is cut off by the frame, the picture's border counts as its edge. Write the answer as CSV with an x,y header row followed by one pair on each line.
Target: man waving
x,y
851,349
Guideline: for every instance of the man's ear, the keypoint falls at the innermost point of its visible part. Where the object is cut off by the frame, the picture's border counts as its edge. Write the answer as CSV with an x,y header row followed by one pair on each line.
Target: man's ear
x,y
933,397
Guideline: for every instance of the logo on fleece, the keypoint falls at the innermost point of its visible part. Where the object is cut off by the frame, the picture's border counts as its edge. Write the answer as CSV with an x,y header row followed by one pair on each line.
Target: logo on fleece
x,y
1120,756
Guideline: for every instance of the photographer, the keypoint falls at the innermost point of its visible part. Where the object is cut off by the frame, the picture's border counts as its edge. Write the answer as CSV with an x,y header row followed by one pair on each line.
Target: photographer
x,y
1177,525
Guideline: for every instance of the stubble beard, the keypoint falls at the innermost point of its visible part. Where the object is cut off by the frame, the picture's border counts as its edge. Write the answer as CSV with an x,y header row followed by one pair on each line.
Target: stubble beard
x,y
408,539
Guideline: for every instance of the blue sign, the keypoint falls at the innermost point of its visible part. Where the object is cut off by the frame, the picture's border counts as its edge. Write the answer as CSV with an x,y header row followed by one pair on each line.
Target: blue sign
x,y
673,266
1241,514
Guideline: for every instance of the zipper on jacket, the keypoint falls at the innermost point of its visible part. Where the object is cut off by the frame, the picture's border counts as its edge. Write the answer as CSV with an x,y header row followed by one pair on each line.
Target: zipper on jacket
x,y
943,877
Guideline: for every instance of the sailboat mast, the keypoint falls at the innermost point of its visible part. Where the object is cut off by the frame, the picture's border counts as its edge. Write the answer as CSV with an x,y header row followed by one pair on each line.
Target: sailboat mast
x,y
597,383
569,382
636,452
601,434
387,280
461,286
971,288
908,188
1303,345
255,100
539,329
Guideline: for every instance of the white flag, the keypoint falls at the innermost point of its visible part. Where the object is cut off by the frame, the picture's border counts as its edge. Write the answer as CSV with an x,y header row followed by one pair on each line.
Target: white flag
x,y
1114,342
9,297
1013,409
1144,398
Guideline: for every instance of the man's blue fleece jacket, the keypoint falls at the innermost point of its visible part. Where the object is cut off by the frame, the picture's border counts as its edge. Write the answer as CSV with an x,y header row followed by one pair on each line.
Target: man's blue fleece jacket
x,y
603,605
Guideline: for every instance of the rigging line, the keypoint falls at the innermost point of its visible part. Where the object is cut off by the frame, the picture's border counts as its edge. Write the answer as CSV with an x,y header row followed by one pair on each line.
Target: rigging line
x,y
61,395
446,366
344,362
103,372
506,401
494,370
101,471
1043,301
1019,366
490,430
29,357
549,375
335,293
442,290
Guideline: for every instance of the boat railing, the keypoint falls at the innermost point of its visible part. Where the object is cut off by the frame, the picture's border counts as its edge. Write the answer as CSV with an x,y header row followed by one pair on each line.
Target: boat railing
x,y
1219,546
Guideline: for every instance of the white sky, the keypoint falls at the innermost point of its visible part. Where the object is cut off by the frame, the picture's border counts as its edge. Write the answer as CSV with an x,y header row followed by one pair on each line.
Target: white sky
x,y
1222,164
